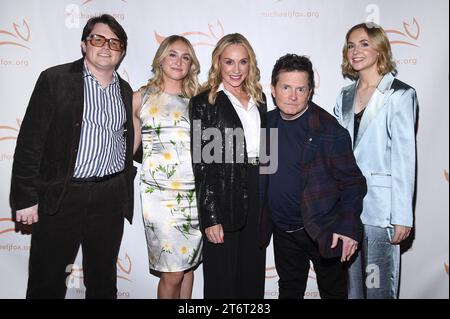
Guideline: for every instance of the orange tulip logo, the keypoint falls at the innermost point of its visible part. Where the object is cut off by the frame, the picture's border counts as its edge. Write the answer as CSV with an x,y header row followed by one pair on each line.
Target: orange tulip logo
x,y
410,33
312,273
19,36
271,273
9,132
76,272
446,267
125,267
215,32
7,229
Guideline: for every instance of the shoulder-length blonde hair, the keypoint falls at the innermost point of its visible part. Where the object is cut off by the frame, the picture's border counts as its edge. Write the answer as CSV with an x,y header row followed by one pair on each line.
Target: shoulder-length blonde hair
x,y
379,41
190,86
251,83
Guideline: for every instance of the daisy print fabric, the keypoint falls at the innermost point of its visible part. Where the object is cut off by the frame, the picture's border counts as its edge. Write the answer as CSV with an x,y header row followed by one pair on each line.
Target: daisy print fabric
x,y
167,185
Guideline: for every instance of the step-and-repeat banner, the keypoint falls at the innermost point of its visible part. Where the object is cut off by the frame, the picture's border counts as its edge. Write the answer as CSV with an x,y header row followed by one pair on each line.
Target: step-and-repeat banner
x,y
35,35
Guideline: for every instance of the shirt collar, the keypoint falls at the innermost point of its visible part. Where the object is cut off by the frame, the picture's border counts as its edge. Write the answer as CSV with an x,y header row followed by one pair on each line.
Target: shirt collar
x,y
385,83
87,73
234,100
221,88
297,116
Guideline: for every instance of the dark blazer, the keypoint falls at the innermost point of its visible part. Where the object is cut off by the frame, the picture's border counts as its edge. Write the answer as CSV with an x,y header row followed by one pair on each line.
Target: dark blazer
x,y
47,145
334,187
220,187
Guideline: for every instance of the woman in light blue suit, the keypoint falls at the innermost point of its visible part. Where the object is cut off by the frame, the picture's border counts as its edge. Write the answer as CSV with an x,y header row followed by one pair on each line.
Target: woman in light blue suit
x,y
380,113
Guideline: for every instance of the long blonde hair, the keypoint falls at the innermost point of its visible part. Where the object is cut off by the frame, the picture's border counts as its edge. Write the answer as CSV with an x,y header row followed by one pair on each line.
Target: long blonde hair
x,y
251,83
380,41
190,86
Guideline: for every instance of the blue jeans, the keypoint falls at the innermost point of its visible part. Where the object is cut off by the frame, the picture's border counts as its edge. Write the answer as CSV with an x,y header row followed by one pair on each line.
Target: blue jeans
x,y
375,270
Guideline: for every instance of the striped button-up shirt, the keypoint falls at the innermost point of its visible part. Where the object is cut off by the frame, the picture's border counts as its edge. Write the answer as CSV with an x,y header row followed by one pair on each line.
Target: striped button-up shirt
x,y
102,142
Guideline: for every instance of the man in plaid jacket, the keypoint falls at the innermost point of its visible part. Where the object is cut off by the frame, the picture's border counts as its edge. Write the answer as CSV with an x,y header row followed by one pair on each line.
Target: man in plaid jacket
x,y
312,203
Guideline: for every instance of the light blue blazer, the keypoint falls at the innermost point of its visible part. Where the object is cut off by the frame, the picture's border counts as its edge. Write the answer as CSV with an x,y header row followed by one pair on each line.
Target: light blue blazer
x,y
385,149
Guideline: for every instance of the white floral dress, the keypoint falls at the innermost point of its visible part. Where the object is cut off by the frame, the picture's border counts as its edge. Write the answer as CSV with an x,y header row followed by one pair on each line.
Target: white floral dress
x,y
167,186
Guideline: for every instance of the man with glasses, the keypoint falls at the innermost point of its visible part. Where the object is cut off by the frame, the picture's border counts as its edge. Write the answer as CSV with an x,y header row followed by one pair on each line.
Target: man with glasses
x,y
72,176
313,201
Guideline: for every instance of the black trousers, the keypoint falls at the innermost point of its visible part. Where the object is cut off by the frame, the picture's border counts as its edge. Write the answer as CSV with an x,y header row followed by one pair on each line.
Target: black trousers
x,y
90,216
293,253
236,268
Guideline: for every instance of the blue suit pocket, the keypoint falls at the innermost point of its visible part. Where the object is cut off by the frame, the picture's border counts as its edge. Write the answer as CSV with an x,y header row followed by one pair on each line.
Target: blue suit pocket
x,y
380,180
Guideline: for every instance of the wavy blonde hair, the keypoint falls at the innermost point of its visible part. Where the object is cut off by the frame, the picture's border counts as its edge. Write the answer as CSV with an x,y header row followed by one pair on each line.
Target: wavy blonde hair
x,y
380,42
190,86
251,83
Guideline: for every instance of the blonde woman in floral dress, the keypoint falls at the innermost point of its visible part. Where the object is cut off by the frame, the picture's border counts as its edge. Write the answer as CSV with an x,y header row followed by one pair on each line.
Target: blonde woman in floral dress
x,y
169,207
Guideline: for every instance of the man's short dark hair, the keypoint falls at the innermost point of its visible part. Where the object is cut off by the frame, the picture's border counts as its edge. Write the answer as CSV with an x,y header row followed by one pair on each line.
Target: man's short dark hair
x,y
111,23
291,63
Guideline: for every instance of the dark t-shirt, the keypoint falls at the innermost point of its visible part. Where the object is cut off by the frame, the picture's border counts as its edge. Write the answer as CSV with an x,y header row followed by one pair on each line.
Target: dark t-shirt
x,y
285,186
358,118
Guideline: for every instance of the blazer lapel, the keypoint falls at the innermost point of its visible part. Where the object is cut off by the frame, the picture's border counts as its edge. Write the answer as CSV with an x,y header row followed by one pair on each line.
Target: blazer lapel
x,y
76,92
230,115
376,103
229,119
271,123
129,132
310,143
74,95
262,109
348,108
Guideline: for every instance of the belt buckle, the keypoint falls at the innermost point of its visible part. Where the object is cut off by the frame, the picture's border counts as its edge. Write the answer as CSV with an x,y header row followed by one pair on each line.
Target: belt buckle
x,y
96,179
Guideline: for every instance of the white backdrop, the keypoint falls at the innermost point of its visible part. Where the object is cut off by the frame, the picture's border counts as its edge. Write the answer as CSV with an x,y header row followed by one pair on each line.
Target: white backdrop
x,y
36,34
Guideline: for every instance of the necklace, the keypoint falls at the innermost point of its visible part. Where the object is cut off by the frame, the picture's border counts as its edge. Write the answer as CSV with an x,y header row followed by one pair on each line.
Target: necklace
x,y
363,99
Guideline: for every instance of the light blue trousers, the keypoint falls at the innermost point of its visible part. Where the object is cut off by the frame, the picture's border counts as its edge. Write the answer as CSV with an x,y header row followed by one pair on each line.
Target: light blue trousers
x,y
375,270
